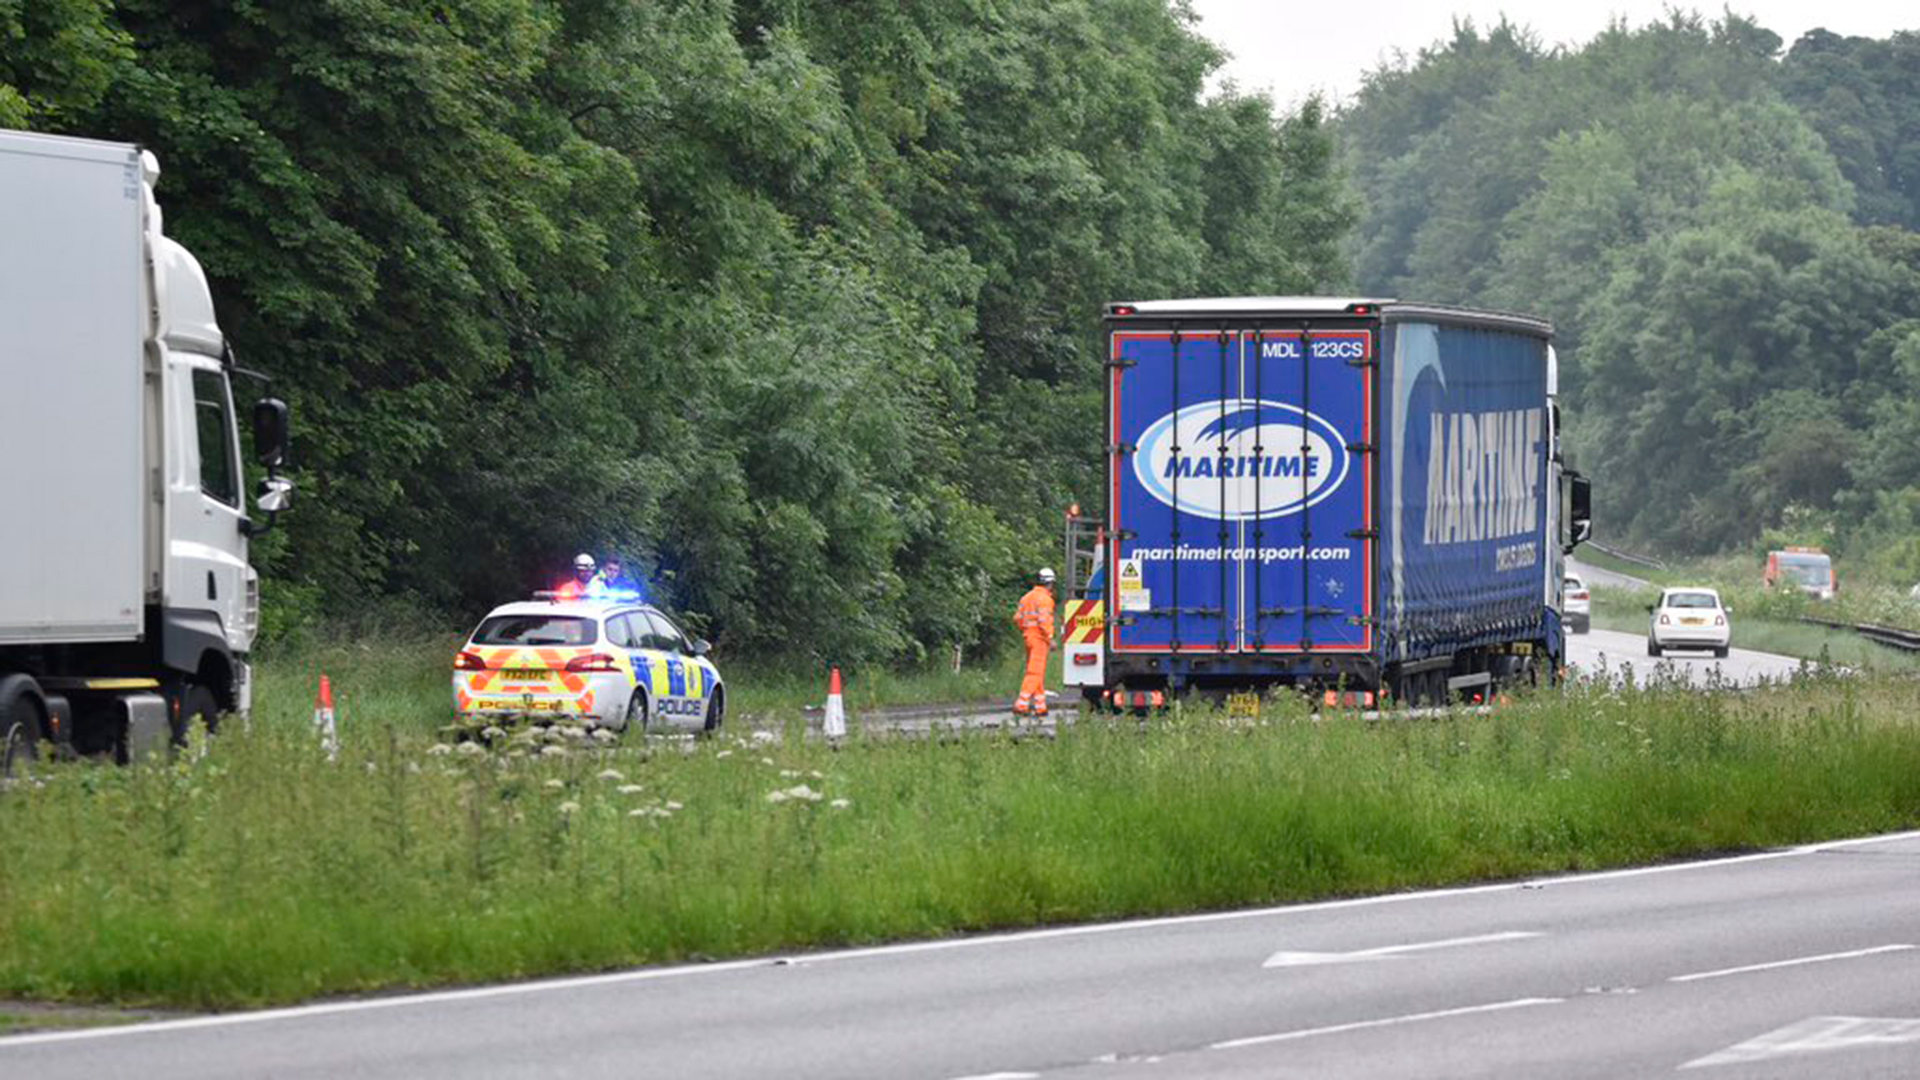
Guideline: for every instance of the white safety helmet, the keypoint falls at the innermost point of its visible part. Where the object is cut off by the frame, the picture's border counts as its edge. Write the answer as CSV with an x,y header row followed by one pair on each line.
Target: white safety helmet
x,y
1046,575
583,561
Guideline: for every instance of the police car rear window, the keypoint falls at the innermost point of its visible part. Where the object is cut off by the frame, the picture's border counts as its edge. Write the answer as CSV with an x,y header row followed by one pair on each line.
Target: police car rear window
x,y
536,630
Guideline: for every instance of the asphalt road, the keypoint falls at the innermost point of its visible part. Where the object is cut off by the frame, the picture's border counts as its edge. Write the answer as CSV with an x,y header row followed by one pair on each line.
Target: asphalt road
x,y
1594,575
1803,963
1618,655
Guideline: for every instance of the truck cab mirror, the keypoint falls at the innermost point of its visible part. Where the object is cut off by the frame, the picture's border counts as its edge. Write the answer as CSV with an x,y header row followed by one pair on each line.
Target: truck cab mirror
x,y
276,492
270,431
1579,511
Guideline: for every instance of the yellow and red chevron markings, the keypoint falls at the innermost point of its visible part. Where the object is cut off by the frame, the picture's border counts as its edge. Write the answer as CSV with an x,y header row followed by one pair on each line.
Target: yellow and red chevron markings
x,y
1086,621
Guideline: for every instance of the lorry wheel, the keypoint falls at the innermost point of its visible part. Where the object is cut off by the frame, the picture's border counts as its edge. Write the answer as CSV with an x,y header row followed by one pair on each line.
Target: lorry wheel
x,y
20,718
199,715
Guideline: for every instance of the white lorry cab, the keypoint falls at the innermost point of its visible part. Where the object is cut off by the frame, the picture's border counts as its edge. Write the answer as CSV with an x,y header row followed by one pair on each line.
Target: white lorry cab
x,y
127,604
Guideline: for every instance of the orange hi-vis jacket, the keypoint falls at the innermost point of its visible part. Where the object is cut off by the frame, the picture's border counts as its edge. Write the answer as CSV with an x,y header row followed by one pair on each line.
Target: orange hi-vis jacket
x,y
1034,615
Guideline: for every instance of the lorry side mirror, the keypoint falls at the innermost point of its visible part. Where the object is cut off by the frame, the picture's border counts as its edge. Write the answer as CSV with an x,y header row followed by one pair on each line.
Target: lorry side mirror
x,y
1580,512
270,431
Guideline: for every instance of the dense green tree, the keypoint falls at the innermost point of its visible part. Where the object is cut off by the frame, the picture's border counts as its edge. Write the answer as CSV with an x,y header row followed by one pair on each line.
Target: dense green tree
x,y
794,303
1671,198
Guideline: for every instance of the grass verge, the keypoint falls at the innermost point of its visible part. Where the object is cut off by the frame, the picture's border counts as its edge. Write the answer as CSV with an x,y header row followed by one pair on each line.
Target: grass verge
x,y
406,678
259,872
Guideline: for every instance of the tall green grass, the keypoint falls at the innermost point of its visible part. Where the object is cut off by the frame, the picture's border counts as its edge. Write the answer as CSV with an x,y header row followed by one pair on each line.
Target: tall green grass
x,y
260,872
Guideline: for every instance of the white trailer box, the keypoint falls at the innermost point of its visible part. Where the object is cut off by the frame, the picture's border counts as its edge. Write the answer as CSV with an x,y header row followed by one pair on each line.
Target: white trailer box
x,y
73,439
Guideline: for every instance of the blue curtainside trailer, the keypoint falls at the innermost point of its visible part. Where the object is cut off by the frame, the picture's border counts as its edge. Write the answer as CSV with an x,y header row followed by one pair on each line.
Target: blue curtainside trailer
x,y
1347,494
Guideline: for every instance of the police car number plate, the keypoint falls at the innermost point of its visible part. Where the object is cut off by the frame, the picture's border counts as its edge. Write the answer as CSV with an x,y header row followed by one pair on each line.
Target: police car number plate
x,y
523,674
1247,704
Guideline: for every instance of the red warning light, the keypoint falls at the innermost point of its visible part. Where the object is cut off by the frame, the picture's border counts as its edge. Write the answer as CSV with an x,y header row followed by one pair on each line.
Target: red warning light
x,y
1123,309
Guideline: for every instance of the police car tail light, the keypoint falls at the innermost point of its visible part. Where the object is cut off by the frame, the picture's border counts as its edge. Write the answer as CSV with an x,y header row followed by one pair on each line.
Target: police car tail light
x,y
1719,620
1664,621
598,661
469,661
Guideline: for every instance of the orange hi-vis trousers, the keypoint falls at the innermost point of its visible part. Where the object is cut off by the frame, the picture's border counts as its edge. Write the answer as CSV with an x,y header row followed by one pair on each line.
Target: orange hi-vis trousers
x,y
1033,688
1034,617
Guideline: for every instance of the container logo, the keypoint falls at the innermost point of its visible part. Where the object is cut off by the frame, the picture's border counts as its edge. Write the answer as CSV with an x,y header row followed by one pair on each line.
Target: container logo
x,y
1241,459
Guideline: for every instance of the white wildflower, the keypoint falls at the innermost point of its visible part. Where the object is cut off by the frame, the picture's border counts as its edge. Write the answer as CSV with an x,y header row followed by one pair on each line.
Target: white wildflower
x,y
790,774
764,736
569,807
601,734
671,805
841,804
804,792
612,775
472,748
632,789
556,784
816,775
724,754
777,796
553,751
439,749
767,761
494,733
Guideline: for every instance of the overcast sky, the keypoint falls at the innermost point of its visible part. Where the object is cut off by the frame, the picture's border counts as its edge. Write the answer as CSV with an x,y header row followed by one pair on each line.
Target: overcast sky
x,y
1294,48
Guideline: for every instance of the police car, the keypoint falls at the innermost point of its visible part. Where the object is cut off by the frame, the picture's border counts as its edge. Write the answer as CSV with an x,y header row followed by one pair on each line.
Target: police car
x,y
615,664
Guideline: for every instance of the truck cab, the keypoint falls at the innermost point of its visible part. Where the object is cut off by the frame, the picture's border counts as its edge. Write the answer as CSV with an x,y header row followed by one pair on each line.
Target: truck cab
x,y
128,611
1808,569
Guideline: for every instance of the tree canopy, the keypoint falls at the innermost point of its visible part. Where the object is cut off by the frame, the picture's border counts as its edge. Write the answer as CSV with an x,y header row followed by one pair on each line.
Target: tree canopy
x,y
1722,235
792,303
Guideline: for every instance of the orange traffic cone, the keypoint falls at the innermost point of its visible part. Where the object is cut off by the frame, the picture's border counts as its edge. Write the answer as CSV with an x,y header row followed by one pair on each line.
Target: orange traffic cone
x,y
323,720
835,721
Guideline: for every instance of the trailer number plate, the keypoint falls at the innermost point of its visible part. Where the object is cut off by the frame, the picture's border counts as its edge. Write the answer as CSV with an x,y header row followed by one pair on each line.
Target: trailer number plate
x,y
1244,704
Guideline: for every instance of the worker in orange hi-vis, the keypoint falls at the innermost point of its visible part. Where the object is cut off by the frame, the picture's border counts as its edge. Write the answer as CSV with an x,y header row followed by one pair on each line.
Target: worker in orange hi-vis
x,y
1034,617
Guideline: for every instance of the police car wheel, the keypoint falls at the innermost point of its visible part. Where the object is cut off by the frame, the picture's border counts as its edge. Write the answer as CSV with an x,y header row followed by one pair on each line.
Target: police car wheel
x,y
639,717
716,710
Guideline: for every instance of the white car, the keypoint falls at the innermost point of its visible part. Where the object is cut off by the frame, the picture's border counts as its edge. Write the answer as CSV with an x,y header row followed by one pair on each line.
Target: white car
x,y
1690,618
613,663
1576,604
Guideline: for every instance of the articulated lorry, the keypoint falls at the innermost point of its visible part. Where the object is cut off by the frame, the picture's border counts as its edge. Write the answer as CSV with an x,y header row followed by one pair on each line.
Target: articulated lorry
x,y
127,605
1358,496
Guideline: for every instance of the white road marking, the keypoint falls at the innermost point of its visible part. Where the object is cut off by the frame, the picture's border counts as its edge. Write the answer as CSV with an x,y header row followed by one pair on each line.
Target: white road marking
x,y
1359,1025
788,963
1814,1035
1302,959
1002,1076
1795,962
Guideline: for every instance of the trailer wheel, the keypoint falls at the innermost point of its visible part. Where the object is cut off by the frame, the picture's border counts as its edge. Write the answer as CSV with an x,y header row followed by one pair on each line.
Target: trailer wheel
x,y
21,716
196,714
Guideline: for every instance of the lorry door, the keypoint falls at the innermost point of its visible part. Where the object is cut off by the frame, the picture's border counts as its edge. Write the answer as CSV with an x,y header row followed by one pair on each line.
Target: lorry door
x,y
1309,574
206,570
1241,490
